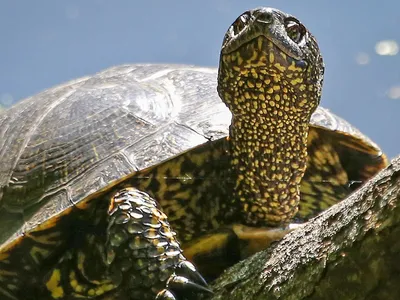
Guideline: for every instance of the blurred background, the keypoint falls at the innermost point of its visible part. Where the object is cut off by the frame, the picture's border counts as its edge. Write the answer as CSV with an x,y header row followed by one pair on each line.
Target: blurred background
x,y
45,43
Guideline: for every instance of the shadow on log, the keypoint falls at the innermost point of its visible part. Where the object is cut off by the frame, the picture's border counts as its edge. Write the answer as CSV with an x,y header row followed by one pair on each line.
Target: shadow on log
x,y
351,251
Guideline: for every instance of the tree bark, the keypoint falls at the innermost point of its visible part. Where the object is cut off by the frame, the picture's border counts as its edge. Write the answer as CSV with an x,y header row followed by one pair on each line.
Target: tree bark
x,y
350,251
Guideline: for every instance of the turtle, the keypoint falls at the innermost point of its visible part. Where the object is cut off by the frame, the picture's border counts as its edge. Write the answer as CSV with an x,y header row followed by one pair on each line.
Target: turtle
x,y
113,184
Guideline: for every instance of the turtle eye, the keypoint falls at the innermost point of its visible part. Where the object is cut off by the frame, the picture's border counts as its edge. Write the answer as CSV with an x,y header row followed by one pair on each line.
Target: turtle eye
x,y
240,23
295,30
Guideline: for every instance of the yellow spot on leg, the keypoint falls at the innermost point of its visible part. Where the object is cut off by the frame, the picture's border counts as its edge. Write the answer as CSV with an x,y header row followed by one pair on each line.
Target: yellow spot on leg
x,y
53,284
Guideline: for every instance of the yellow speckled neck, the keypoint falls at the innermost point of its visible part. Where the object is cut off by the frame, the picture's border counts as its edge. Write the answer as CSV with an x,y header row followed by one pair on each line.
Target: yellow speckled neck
x,y
268,160
271,97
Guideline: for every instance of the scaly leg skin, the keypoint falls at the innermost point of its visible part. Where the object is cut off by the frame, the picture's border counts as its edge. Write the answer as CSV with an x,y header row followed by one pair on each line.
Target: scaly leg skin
x,y
139,232
139,257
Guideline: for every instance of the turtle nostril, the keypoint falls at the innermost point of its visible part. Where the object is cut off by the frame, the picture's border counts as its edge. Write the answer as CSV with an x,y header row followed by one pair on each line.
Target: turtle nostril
x,y
264,17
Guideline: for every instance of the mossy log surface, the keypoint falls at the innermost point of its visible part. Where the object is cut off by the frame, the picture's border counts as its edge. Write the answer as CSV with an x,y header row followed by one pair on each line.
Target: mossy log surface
x,y
350,251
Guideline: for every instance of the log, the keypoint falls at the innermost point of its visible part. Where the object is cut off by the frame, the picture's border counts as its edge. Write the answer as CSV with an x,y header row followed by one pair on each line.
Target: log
x,y
350,251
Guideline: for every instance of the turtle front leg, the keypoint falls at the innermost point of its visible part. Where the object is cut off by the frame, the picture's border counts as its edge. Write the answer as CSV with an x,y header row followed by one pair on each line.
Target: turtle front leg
x,y
143,251
127,251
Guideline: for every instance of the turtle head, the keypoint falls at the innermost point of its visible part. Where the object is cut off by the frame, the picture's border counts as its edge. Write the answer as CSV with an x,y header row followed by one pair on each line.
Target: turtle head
x,y
266,51
270,77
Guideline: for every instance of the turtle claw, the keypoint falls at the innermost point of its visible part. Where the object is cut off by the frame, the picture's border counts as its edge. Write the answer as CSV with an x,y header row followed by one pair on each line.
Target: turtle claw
x,y
188,270
185,283
180,283
165,295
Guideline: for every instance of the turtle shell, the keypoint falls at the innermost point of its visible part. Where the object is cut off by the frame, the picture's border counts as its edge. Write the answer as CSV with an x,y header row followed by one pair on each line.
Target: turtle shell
x,y
72,140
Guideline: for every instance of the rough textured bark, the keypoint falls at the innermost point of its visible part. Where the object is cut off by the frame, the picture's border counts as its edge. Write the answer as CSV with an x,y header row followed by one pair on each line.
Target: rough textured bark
x,y
351,251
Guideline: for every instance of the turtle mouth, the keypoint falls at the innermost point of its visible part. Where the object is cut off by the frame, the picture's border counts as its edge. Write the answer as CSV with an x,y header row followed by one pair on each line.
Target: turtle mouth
x,y
262,52
238,42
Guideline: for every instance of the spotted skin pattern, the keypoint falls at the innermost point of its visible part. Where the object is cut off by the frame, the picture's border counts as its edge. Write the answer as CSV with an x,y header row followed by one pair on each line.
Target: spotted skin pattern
x,y
118,244
271,97
187,189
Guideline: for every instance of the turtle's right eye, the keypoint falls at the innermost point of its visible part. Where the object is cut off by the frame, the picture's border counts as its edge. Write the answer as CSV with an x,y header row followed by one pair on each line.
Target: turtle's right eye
x,y
240,23
295,30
